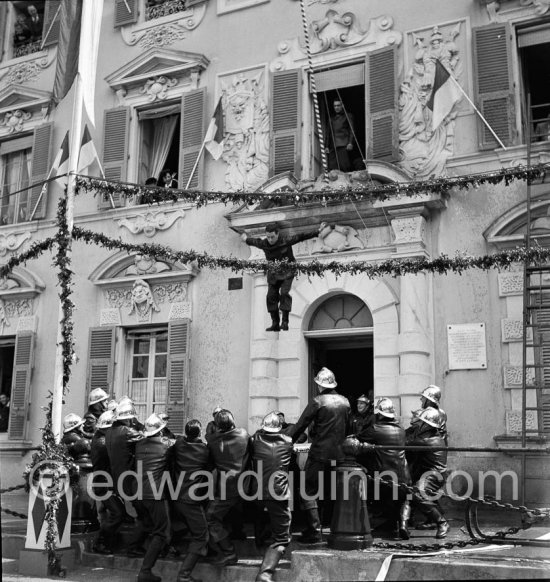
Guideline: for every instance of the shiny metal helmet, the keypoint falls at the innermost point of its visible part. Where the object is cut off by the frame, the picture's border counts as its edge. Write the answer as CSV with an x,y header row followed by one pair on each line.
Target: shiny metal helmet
x,y
71,421
125,409
363,398
216,410
271,422
325,378
432,393
153,425
431,416
97,395
111,405
106,419
385,407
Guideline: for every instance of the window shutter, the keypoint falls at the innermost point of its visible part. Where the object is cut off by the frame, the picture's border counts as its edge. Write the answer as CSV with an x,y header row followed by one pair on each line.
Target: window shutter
x,y
381,96
192,134
52,13
41,165
101,359
20,386
126,12
178,373
493,83
286,122
115,150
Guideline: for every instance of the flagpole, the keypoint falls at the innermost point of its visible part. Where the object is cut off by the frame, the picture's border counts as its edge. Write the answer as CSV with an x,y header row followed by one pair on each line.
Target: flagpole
x,y
196,163
475,108
74,148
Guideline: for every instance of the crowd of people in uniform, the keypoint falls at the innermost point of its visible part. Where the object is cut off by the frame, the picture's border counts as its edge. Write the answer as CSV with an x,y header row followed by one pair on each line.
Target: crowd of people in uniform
x,y
141,463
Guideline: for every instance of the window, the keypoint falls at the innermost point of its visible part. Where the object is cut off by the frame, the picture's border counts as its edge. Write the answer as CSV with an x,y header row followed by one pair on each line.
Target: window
x,y
15,168
147,381
343,311
7,351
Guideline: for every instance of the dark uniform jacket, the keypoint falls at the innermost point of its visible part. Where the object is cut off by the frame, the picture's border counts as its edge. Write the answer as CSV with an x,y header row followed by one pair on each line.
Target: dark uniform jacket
x,y
100,459
280,251
425,461
360,422
154,456
190,456
271,454
386,431
121,441
90,418
79,449
230,453
328,414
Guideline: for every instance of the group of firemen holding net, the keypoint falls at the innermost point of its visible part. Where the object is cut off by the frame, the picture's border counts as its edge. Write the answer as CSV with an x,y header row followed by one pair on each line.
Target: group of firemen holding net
x,y
187,494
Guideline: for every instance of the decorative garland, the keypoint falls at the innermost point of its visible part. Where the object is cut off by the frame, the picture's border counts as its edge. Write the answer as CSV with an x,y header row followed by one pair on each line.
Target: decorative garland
x,y
393,267
150,195
62,261
35,250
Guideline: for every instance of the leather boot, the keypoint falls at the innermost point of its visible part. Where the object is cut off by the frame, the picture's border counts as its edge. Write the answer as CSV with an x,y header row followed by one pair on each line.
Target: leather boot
x,y
442,524
187,567
269,564
225,553
404,515
284,321
312,534
274,321
149,560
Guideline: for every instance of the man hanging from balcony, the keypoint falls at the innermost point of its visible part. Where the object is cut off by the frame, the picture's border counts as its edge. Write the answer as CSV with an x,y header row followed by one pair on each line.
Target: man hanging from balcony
x,y
278,247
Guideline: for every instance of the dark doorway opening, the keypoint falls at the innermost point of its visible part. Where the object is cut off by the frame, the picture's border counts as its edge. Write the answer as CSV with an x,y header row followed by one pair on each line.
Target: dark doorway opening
x,y
7,351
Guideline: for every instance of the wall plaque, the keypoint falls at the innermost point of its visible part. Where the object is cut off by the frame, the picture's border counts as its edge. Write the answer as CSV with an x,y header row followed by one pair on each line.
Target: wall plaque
x,y
467,347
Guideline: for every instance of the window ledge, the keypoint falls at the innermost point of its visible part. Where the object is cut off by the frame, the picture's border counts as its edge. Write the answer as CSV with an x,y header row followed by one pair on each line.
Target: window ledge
x,y
43,58
15,447
511,441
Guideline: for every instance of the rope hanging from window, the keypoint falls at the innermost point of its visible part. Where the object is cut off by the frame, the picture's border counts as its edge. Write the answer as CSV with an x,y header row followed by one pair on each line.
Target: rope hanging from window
x,y
311,78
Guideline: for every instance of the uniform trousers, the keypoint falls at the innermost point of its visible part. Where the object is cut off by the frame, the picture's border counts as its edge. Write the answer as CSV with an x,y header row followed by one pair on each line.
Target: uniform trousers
x,y
192,512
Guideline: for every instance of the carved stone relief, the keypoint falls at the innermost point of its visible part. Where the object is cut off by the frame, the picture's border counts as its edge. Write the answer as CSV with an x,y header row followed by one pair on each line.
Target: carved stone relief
x,y
160,36
541,6
27,323
4,321
15,119
246,130
514,422
110,317
337,239
333,31
11,241
150,222
409,229
512,330
142,301
27,71
157,87
180,310
118,297
423,148
513,376
510,284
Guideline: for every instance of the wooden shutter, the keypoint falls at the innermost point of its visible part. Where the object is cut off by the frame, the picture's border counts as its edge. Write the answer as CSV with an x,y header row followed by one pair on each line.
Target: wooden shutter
x,y
494,83
20,386
126,12
41,165
381,98
3,31
52,14
178,373
101,359
286,122
115,150
192,134
542,357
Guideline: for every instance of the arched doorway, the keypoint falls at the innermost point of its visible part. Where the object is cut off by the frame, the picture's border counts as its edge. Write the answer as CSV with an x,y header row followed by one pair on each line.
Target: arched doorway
x,y
340,337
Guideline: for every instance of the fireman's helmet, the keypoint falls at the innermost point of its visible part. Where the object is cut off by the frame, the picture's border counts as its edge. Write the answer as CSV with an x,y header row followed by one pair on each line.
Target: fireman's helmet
x,y
271,422
153,425
363,398
111,405
385,407
97,395
325,378
106,419
125,409
432,393
71,421
431,416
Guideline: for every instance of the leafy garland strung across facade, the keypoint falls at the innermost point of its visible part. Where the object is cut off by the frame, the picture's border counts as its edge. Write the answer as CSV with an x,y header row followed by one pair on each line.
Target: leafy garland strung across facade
x,y
393,267
35,250
150,195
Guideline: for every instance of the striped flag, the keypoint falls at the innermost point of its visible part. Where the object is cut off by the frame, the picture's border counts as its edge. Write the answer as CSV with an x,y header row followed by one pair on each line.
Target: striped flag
x,y
445,94
67,48
213,141
88,154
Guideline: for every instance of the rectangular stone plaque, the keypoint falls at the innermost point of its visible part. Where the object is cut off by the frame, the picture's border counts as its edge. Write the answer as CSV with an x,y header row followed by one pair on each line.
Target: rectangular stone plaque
x,y
467,347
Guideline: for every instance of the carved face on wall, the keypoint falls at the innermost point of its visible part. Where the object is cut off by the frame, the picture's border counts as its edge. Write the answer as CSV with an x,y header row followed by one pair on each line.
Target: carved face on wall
x,y
141,292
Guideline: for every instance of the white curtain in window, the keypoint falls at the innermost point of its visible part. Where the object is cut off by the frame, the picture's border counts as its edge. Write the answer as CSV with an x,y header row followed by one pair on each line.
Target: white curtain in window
x,y
164,132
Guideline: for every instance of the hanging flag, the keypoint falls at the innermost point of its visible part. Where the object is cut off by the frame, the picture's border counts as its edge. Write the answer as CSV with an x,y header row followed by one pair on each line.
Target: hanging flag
x,y
213,141
445,94
67,48
88,154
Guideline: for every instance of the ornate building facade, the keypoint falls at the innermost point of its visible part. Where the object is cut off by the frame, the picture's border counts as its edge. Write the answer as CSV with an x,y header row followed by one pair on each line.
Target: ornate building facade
x,y
184,340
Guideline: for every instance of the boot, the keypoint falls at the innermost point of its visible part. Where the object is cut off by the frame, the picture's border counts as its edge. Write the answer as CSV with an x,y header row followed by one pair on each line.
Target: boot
x,y
225,553
443,526
187,567
312,534
147,576
284,322
404,515
269,564
155,548
274,321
